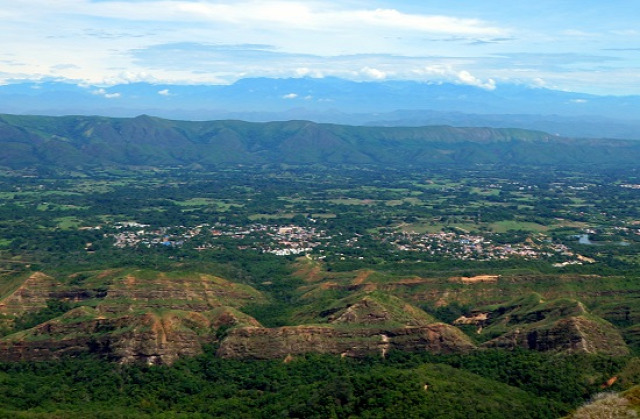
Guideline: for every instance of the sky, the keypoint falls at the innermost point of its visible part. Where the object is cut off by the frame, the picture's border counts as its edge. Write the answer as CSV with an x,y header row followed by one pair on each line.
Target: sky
x,y
587,46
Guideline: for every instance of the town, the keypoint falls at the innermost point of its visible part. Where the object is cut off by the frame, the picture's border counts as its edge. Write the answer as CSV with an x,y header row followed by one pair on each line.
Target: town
x,y
286,240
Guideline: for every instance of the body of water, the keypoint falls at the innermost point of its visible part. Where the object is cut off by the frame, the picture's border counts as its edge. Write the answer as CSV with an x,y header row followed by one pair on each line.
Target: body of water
x,y
584,239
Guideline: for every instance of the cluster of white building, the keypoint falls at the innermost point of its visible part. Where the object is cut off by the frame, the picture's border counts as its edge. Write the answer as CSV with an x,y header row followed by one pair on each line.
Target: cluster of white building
x,y
473,247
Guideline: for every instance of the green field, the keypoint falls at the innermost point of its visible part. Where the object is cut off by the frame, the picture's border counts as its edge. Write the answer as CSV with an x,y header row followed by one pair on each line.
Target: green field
x,y
504,226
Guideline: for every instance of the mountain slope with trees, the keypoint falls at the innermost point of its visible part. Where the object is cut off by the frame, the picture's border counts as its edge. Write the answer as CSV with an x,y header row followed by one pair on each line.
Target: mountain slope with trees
x,y
85,142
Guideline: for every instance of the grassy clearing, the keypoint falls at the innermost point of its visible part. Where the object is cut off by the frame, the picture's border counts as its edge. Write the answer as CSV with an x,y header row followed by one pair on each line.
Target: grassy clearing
x,y
572,224
396,202
504,226
485,192
377,189
197,202
68,223
97,186
320,216
57,207
205,202
284,215
351,201
437,185
44,193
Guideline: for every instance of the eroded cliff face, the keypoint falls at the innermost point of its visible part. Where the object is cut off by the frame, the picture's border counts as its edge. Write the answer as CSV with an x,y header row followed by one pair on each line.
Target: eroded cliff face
x,y
139,316
146,337
562,325
31,295
153,317
275,343
573,334
377,309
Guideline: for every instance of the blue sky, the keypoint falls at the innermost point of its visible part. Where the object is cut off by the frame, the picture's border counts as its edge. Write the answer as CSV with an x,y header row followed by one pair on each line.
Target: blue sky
x,y
578,45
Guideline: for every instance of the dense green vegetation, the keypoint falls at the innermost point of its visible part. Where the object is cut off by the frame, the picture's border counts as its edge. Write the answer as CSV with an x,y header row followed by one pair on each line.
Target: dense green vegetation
x,y
90,142
492,384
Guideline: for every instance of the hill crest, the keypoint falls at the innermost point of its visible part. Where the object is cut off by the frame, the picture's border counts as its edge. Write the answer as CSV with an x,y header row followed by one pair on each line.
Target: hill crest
x,y
81,142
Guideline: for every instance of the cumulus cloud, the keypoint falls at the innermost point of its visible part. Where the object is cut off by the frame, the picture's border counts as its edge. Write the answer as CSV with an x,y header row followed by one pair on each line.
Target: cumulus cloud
x,y
578,101
102,92
448,73
290,96
373,73
124,77
464,77
164,92
307,72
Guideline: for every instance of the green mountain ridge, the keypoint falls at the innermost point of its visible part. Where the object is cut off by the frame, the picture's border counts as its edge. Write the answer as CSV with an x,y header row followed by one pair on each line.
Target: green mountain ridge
x,y
85,142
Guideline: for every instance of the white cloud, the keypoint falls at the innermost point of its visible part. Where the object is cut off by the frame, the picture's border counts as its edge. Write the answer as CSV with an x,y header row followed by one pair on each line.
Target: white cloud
x,y
538,82
433,70
307,72
290,96
105,94
578,101
373,73
424,23
464,77
124,77
298,14
439,73
164,92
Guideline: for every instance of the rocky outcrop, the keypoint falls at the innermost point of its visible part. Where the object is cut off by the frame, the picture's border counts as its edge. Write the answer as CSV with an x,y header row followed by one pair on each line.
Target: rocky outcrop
x,y
195,292
129,315
365,309
145,337
274,343
153,340
378,309
573,334
31,295
145,316
562,325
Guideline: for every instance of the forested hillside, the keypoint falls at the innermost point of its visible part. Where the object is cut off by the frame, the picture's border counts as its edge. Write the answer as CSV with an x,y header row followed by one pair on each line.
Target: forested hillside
x,y
85,142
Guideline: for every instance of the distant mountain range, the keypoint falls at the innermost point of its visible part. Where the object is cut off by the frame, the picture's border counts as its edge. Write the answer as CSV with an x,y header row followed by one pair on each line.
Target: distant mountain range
x,y
86,141
333,100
